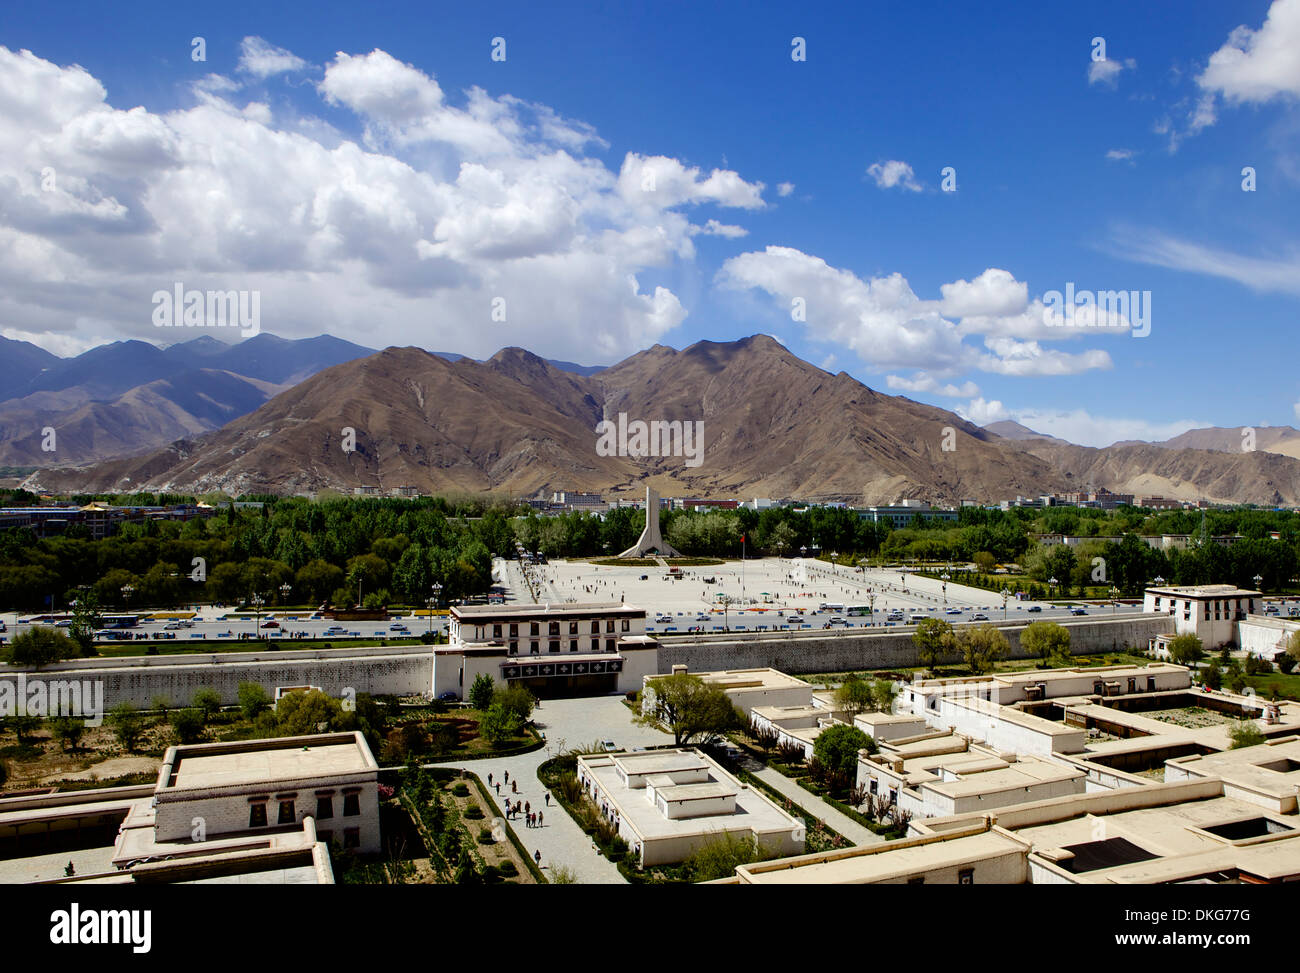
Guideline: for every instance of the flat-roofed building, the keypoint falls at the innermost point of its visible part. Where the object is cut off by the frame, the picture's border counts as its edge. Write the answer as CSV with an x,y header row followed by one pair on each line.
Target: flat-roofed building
x,y
747,688
1039,684
1177,833
796,725
561,649
666,804
1210,611
1267,775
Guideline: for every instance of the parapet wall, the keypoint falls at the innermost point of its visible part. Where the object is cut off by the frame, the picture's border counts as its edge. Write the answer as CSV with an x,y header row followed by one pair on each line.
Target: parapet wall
x,y
382,670
835,652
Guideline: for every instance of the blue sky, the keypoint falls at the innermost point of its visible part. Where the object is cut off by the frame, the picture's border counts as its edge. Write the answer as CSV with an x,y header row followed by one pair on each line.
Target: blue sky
x,y
668,173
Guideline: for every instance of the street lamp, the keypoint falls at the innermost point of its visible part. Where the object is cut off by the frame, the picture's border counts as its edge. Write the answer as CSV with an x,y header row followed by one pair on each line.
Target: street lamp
x,y
1114,599
945,576
284,592
258,601
1258,579
1006,593
871,601
127,591
1052,582
433,602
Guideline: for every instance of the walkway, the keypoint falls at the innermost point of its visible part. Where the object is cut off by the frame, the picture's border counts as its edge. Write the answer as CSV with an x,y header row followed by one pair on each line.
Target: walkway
x,y
810,802
567,723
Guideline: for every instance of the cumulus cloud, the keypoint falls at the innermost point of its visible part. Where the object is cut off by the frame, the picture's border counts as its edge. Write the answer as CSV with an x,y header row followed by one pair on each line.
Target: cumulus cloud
x,y
893,173
1107,72
784,188
1077,425
261,60
1258,65
890,327
407,234
921,382
1120,155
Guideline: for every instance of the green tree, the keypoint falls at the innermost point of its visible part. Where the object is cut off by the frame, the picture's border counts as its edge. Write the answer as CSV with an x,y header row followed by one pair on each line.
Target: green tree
x,y
85,620
933,639
1186,650
499,724
982,646
253,699
692,710
883,692
23,725
1212,676
515,699
837,746
127,724
188,725
1245,734
208,702
720,857
304,713
985,562
853,695
68,730
480,692
40,646
1047,640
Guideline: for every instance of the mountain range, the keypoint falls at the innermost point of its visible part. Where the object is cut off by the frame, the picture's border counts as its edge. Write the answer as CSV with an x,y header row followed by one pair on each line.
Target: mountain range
x,y
773,425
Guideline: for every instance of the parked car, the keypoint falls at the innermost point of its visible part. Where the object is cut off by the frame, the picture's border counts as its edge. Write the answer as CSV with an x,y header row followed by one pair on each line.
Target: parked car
x,y
270,623
448,697
1078,611
1034,608
979,617
609,745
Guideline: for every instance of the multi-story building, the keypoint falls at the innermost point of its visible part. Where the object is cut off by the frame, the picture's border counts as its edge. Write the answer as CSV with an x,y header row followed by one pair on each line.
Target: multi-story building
x,y
553,649
903,514
1210,612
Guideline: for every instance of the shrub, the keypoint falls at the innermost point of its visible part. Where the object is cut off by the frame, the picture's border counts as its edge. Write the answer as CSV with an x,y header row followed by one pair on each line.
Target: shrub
x,y
461,789
508,869
188,725
1286,664
474,813
1245,734
39,646
480,692
485,836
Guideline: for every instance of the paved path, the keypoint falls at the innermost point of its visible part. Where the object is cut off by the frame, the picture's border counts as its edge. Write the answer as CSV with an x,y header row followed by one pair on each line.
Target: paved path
x,y
567,723
810,802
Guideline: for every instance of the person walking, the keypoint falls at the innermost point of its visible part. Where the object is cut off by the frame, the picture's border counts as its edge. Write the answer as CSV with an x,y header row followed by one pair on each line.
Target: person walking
x,y
489,780
539,819
498,787
514,787
548,798
537,857
527,807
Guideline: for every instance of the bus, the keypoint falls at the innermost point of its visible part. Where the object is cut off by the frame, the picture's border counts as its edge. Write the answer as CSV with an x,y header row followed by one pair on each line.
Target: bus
x,y
859,610
119,621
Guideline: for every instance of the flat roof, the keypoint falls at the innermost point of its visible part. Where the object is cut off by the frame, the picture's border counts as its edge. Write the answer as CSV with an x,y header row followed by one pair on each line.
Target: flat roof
x,y
1205,591
1106,672
1018,776
564,608
753,679
1271,768
659,762
225,764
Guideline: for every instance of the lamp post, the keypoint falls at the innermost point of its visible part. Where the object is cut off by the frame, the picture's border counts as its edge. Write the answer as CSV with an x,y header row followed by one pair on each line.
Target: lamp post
x,y
1114,600
1052,581
433,602
945,576
1006,593
871,602
258,601
284,592
127,591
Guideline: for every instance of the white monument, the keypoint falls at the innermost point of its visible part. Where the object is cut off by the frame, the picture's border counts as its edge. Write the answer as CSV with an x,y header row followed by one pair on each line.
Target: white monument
x,y
651,541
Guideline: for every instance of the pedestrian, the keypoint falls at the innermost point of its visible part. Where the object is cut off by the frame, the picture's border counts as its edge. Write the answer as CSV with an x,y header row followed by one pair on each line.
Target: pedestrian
x,y
489,780
539,819
527,807
514,787
548,798
498,787
537,857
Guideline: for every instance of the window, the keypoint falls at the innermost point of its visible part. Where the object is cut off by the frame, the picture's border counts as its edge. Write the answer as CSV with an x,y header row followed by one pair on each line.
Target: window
x,y
595,627
514,631
532,647
325,836
573,645
609,625
351,805
514,648
627,625
257,815
966,876
595,645
533,628
873,785
496,631
573,628
609,645
554,645
324,807
553,629
352,838
286,813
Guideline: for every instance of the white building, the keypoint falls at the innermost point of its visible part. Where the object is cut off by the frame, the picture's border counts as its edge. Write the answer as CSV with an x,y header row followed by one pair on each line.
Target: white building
x,y
552,649
667,803
1210,612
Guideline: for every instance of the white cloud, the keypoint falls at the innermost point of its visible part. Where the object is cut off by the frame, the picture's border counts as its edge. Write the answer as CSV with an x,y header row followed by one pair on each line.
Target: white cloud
x,y
994,292
784,188
261,60
1275,275
893,173
1257,65
1107,72
714,228
921,382
1078,425
448,203
888,326
1120,155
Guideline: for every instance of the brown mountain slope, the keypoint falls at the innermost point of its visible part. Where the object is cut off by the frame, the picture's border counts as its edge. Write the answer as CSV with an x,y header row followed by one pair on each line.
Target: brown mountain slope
x,y
773,425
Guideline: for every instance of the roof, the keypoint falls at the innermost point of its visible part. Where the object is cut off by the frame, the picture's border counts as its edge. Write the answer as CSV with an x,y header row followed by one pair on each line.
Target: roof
x,y
252,762
549,611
